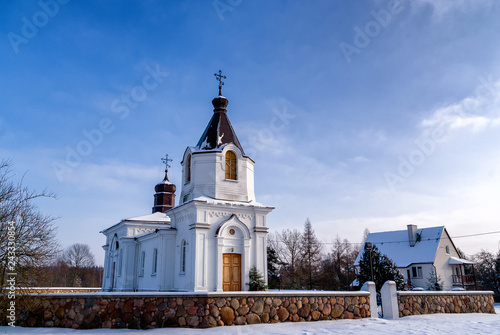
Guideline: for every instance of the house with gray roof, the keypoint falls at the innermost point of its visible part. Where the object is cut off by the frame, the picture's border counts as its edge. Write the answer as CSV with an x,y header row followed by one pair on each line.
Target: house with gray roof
x,y
421,252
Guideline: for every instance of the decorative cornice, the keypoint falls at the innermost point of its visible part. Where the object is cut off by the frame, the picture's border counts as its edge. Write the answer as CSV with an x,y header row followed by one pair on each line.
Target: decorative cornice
x,y
228,214
260,229
199,225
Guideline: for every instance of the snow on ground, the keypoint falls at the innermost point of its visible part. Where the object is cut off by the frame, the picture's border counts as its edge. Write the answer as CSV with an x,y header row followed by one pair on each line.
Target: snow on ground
x,y
424,324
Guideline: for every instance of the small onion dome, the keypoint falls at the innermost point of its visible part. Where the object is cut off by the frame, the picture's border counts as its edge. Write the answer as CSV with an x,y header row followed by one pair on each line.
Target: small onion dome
x,y
164,195
220,104
165,186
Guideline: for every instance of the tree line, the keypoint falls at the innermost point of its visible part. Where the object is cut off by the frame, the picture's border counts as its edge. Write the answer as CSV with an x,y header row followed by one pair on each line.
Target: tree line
x,y
29,251
298,260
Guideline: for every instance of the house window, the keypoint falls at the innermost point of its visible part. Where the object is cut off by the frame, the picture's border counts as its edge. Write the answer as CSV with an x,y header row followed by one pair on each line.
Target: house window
x,y
416,271
230,165
120,261
183,256
188,169
143,260
447,249
155,261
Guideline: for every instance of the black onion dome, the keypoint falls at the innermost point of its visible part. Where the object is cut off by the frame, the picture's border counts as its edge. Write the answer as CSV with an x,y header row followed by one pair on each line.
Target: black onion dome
x,y
219,130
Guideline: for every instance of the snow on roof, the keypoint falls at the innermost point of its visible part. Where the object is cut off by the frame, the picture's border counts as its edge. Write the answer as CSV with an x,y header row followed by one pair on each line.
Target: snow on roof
x,y
218,132
157,217
396,245
231,203
454,260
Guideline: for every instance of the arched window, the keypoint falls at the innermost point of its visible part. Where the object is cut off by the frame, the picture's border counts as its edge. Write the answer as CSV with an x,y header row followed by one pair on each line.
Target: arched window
x,y
143,261
155,261
120,263
183,256
231,165
188,169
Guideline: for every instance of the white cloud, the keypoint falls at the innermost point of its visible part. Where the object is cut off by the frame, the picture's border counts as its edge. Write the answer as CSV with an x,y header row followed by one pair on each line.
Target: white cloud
x,y
114,176
360,159
443,8
475,113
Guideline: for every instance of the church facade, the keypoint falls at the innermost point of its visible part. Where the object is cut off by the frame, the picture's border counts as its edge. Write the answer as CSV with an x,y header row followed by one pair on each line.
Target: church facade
x,y
211,240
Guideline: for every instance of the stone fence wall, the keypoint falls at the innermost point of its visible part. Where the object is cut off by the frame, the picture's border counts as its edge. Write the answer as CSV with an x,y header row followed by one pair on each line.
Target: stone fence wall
x,y
416,303
60,289
397,304
154,310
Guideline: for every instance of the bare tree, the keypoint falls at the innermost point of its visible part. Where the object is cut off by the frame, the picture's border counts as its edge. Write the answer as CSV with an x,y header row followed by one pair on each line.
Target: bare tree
x,y
27,237
78,256
287,245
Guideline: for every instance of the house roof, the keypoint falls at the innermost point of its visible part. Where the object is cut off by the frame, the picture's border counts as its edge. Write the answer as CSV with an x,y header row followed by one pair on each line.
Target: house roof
x,y
396,245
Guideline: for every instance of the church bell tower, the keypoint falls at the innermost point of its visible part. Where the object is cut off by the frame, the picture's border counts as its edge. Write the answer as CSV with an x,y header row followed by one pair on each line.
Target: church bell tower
x,y
217,166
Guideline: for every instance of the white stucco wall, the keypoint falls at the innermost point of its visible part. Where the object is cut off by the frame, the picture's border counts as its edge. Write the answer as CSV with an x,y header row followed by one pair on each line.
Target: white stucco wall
x,y
445,270
208,176
209,207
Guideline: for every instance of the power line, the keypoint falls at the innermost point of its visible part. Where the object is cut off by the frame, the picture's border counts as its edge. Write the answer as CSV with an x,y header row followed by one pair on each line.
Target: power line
x,y
382,242
479,234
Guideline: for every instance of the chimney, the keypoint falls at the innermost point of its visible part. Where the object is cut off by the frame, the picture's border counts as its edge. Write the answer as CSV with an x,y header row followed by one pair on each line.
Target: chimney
x,y
412,234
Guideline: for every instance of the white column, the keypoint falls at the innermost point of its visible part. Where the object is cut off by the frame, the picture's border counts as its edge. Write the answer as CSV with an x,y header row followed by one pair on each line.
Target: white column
x,y
105,272
169,258
128,264
389,295
246,264
218,260
200,276
370,287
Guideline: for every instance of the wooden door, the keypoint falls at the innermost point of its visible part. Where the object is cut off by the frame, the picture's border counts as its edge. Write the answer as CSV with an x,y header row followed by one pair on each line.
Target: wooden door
x,y
231,272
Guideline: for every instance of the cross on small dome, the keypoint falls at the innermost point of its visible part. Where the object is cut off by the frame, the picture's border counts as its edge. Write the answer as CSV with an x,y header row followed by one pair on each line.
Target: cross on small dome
x,y
219,78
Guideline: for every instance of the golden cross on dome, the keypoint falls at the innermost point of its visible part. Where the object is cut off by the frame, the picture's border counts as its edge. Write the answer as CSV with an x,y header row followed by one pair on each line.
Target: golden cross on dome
x,y
219,77
165,161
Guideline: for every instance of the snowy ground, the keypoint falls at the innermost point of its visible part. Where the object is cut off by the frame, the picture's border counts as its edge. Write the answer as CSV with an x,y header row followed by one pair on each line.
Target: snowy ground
x,y
425,324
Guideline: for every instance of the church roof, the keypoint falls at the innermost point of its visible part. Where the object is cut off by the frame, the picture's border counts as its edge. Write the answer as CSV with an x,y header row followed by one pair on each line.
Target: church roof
x,y
219,131
157,217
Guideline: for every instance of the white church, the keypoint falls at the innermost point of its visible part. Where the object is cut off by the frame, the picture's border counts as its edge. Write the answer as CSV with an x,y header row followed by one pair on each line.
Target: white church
x,y
211,240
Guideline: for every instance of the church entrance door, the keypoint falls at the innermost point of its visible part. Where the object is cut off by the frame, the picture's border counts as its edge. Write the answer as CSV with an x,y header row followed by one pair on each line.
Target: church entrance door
x,y
231,272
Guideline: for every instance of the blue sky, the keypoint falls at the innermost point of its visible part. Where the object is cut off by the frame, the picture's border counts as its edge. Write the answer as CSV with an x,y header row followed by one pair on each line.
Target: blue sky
x,y
367,114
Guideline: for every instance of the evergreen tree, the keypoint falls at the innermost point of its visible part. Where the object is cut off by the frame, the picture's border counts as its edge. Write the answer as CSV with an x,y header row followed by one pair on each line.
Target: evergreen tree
x,y
384,269
328,277
311,255
434,283
273,277
257,282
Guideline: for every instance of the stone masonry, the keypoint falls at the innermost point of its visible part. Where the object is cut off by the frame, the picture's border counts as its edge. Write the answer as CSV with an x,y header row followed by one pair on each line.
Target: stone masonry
x,y
144,312
416,304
